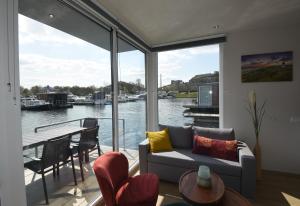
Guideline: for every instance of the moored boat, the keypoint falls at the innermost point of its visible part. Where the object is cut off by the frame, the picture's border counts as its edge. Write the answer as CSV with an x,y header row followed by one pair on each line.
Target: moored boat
x,y
33,104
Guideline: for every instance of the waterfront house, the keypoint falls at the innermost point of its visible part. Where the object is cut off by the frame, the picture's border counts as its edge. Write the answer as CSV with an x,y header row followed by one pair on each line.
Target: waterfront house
x,y
99,97
56,99
240,28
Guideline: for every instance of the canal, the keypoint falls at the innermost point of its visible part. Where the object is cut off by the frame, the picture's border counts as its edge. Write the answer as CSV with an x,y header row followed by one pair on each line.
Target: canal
x,y
170,112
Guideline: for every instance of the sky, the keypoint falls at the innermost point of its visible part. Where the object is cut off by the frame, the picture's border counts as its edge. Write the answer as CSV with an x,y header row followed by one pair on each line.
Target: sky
x,y
51,57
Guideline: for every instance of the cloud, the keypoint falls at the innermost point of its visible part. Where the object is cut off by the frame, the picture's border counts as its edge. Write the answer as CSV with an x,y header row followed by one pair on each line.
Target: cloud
x,y
37,69
41,70
172,64
130,73
32,31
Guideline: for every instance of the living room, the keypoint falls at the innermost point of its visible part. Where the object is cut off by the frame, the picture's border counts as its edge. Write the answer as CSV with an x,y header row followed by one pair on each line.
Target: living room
x,y
243,30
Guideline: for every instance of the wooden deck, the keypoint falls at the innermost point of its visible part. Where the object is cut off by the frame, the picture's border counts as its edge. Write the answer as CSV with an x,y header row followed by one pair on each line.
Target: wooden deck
x,y
61,190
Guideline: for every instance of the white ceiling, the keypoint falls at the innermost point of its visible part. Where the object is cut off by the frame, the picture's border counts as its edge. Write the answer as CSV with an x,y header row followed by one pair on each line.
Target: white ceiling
x,y
163,21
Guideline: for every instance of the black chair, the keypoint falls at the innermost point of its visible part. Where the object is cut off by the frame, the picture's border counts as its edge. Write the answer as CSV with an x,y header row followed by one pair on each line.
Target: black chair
x,y
88,142
55,153
90,122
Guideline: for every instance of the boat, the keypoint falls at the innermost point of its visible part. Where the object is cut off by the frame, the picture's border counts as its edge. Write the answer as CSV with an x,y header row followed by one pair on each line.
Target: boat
x,y
33,104
122,98
132,98
87,100
99,98
108,100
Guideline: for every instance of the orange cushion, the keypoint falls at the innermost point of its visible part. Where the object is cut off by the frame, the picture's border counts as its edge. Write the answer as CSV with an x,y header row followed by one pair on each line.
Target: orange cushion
x,y
222,149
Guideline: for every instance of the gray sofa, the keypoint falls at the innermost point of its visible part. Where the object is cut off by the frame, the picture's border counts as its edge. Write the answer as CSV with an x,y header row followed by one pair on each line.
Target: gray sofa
x,y
171,165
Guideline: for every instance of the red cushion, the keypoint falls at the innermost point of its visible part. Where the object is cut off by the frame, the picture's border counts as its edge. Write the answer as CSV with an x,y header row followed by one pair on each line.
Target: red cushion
x,y
215,148
141,190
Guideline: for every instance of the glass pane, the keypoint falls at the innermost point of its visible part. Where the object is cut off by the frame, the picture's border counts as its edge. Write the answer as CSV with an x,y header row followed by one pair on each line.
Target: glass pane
x,y
65,77
188,89
205,95
132,94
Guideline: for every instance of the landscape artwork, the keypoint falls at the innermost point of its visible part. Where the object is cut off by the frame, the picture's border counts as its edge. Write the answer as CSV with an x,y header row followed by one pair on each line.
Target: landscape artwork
x,y
269,67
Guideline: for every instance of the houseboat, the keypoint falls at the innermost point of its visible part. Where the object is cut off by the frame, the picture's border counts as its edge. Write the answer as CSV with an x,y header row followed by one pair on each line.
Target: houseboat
x,y
31,103
99,98
58,100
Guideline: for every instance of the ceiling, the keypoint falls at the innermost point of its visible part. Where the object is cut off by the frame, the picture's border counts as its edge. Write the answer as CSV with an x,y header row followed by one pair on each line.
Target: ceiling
x,y
164,21
65,19
68,20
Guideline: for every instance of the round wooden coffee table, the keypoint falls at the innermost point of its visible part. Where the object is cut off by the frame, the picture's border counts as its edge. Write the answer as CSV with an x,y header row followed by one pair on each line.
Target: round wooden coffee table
x,y
196,195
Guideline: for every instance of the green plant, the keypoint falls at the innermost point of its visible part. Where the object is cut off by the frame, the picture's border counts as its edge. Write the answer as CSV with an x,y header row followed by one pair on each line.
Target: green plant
x,y
256,112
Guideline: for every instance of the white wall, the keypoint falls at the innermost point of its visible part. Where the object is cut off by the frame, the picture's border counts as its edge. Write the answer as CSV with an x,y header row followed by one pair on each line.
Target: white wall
x,y
280,137
12,184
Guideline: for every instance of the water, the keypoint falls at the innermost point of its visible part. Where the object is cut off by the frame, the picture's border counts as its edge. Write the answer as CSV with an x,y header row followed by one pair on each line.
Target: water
x,y
170,112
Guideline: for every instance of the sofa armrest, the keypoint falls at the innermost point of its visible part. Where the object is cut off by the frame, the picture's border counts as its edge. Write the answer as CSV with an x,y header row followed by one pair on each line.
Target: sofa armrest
x,y
248,178
143,156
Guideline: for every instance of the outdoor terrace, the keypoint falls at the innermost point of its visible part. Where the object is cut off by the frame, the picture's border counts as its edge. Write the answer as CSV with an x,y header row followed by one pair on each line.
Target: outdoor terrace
x,y
62,190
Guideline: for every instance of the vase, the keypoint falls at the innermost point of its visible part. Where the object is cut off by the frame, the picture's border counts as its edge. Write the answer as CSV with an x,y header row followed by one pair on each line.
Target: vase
x,y
257,153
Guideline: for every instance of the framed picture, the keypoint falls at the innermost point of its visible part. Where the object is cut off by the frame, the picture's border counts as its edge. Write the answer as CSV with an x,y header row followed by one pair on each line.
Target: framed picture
x,y
269,67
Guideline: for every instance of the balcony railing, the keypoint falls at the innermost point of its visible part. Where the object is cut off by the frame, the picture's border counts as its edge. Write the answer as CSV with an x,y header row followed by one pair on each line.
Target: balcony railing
x,y
36,129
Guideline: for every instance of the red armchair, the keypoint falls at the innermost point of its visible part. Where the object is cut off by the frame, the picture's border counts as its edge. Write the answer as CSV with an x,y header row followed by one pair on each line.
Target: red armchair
x,y
118,189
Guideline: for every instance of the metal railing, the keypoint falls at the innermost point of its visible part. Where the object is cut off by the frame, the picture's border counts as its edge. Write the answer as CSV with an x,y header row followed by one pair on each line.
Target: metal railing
x,y
81,122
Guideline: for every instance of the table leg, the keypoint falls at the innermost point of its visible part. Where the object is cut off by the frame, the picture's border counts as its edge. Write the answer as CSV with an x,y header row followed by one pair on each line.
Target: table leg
x,y
86,154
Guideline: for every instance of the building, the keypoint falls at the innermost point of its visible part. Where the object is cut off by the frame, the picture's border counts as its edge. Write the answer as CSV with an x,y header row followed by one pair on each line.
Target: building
x,y
176,84
208,95
99,97
202,79
56,99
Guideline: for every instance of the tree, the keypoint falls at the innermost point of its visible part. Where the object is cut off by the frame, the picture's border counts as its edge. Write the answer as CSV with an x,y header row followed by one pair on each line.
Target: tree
x,y
36,89
25,92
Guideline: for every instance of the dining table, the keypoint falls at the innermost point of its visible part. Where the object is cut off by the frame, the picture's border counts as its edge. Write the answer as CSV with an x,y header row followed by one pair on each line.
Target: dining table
x,y
38,138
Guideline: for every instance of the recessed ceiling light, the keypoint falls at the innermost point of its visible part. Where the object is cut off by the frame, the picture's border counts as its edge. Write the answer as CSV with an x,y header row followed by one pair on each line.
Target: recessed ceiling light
x,y
216,26
51,16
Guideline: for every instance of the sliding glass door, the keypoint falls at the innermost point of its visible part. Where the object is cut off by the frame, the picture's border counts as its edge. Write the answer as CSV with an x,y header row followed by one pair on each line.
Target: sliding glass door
x,y
68,65
65,77
131,98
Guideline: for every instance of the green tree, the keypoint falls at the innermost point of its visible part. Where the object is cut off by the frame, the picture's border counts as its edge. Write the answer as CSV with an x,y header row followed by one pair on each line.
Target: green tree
x,y
25,92
36,89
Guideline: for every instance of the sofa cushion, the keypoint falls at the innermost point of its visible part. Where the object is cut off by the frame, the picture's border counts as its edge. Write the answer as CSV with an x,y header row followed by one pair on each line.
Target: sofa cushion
x,y
215,133
159,141
184,158
224,149
181,137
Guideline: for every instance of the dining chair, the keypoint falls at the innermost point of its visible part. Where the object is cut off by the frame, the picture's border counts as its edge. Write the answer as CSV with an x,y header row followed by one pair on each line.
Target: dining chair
x,y
90,122
118,189
55,153
88,142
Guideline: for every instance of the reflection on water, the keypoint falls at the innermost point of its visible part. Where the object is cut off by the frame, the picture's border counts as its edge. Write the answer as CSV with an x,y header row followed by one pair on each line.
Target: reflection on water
x,y
170,112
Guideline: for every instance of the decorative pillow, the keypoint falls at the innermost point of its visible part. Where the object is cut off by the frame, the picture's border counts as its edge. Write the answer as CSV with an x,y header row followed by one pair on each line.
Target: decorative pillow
x,y
181,137
159,141
215,133
223,149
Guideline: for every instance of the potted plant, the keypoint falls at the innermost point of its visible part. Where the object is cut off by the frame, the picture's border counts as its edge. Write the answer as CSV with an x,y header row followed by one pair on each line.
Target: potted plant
x,y
257,113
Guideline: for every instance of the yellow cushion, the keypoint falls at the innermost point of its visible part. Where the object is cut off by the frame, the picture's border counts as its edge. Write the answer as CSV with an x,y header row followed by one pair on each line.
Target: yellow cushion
x,y
159,141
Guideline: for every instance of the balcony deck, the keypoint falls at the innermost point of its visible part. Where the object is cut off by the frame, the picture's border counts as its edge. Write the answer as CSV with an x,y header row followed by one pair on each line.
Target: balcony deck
x,y
62,190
